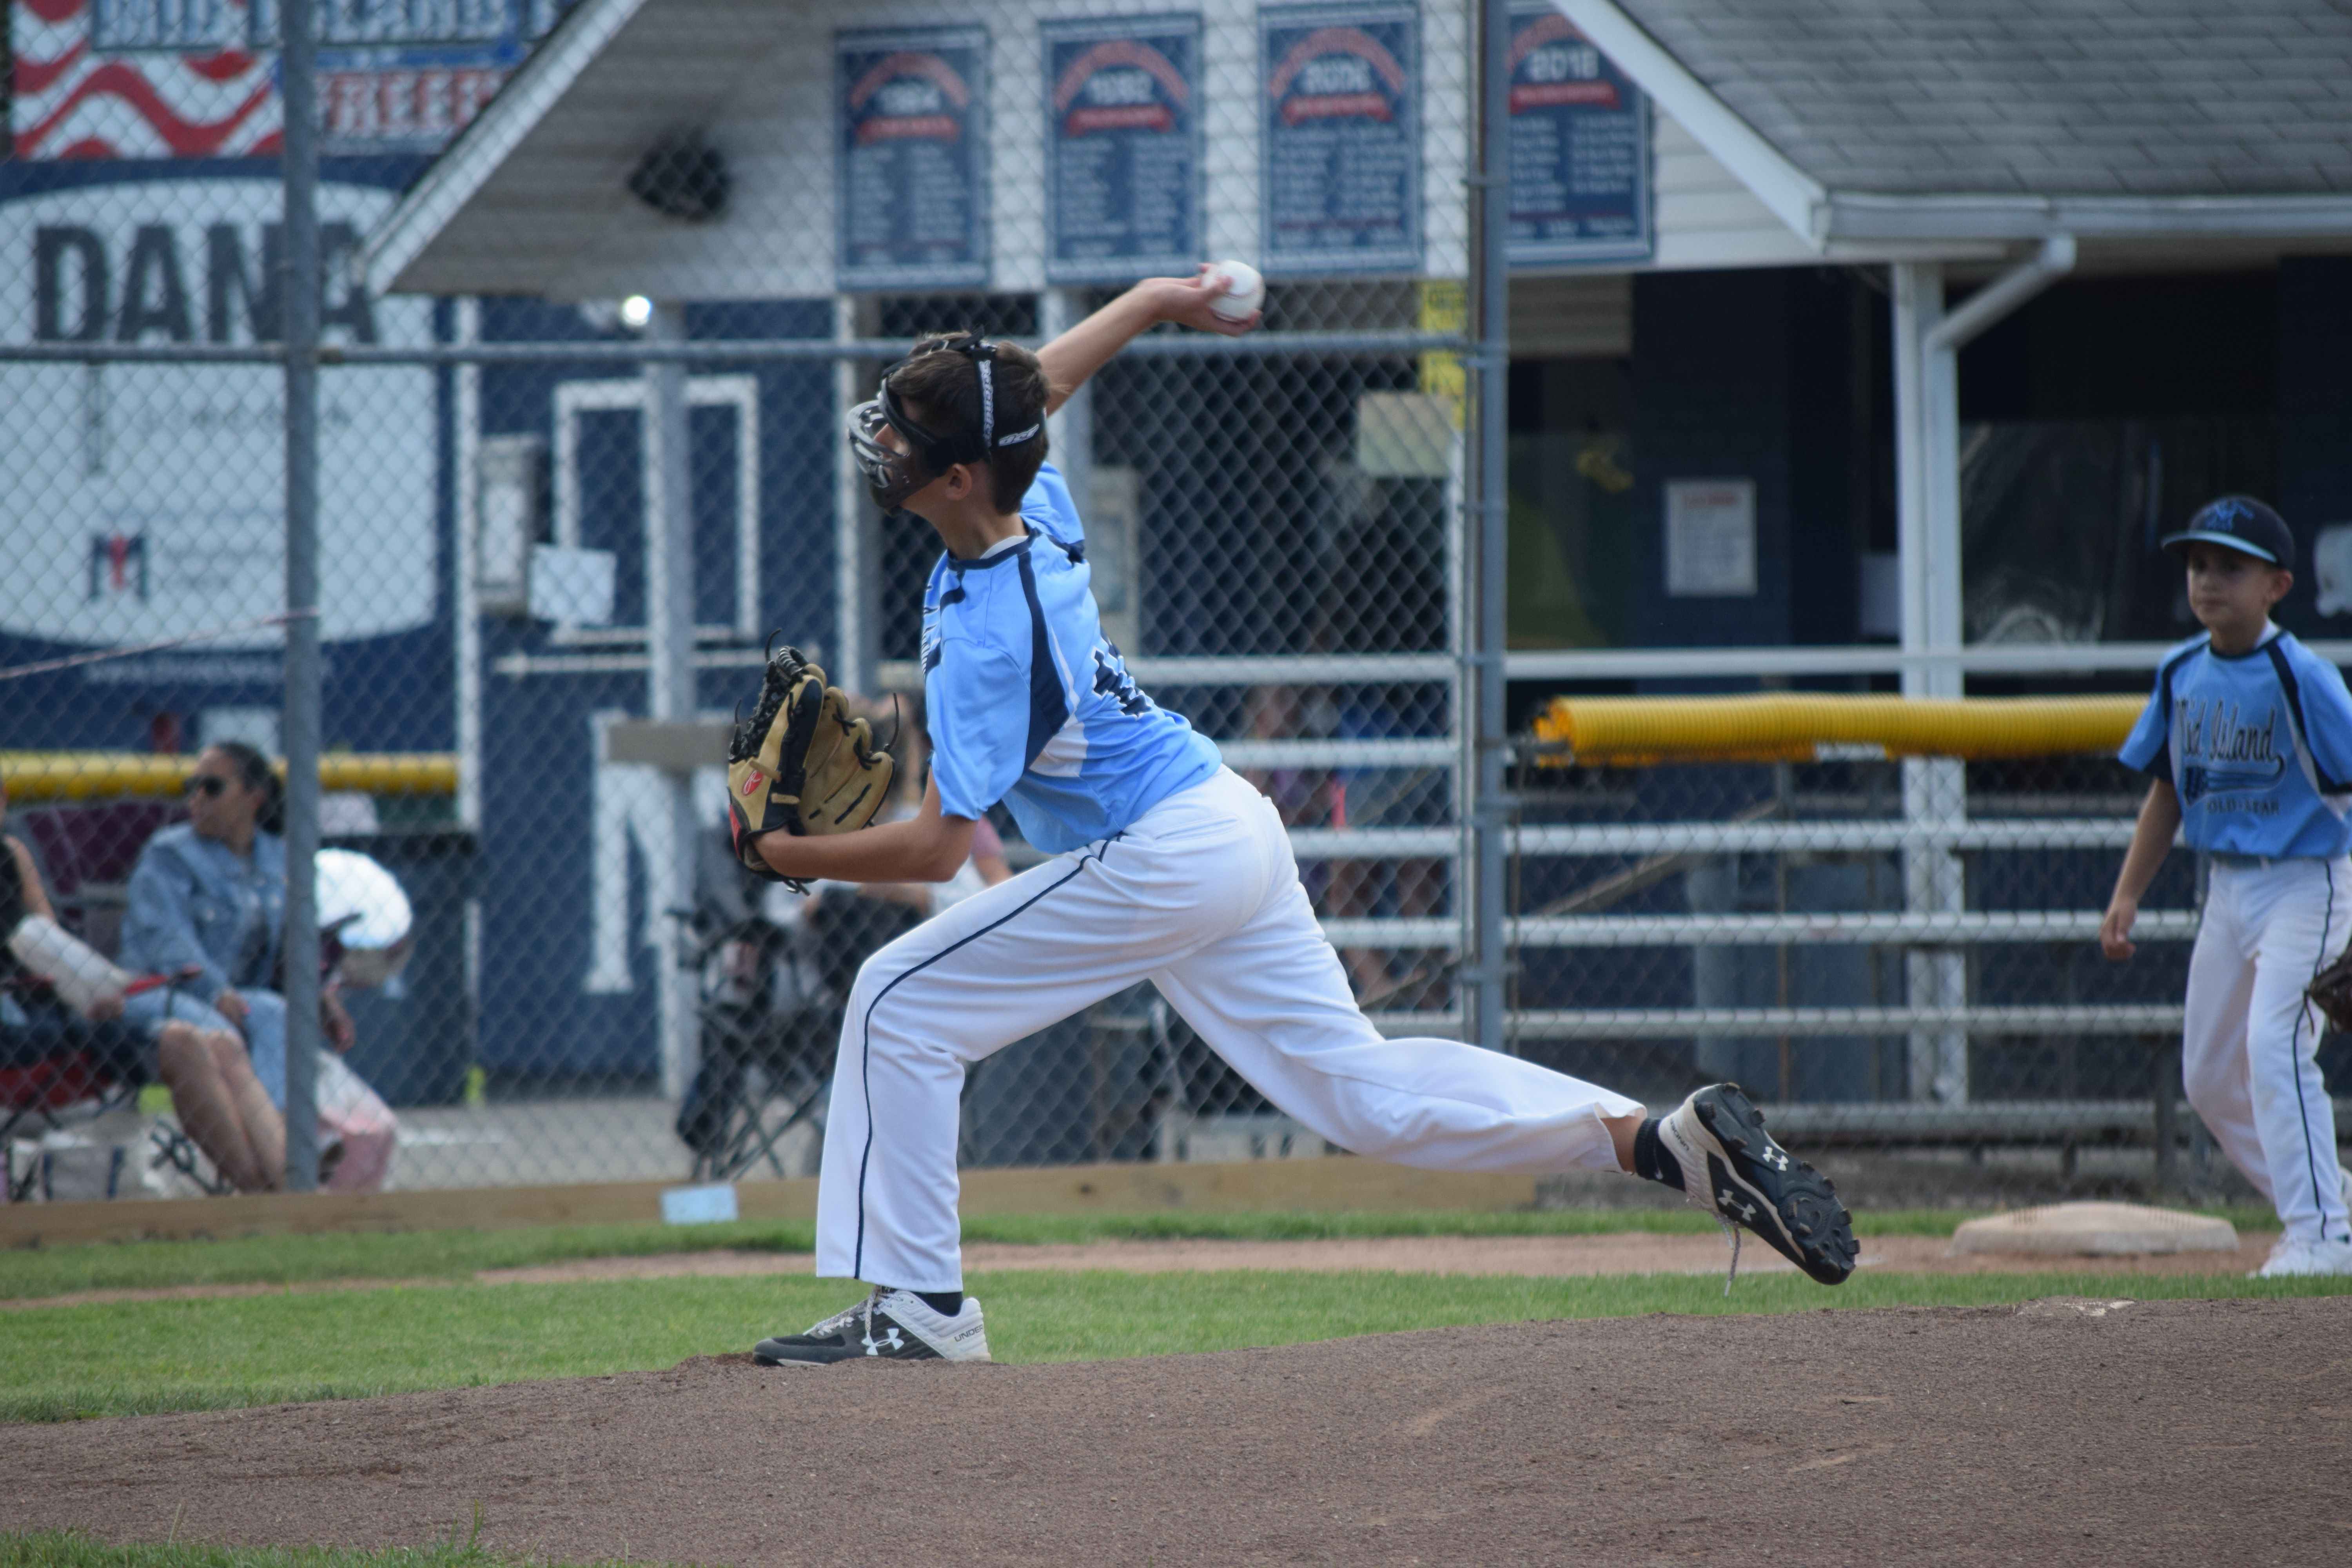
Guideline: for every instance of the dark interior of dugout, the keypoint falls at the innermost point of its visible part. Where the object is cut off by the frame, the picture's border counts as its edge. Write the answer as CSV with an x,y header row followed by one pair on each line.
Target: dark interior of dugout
x,y
2094,419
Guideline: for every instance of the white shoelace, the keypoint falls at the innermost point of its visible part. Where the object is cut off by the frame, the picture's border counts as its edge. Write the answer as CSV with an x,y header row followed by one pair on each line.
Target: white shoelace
x,y
840,1321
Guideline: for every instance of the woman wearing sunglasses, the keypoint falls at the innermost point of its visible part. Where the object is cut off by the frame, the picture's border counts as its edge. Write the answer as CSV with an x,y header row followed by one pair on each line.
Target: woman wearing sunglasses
x,y
210,895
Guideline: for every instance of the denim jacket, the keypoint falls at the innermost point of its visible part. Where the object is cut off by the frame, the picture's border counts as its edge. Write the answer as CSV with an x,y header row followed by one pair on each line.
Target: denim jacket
x,y
193,902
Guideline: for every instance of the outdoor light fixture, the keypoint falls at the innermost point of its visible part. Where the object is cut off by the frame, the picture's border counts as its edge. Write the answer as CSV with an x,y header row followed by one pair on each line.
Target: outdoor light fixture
x,y
683,178
635,311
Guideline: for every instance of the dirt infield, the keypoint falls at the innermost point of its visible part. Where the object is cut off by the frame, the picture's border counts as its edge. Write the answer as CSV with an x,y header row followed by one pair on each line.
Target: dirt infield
x,y
2070,1431
1540,1257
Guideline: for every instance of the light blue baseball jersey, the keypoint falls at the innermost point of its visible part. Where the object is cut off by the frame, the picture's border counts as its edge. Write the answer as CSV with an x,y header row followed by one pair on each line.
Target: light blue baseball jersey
x,y
1030,704
2259,747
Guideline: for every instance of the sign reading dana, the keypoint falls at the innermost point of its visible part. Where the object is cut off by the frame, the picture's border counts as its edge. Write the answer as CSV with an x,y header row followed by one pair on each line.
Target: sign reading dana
x,y
147,501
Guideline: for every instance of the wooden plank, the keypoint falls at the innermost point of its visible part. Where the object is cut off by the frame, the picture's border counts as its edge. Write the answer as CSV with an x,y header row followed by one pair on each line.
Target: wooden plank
x,y
676,746
1332,1182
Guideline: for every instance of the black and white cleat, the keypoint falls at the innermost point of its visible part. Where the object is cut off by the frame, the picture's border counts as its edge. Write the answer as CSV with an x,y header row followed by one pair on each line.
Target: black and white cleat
x,y
888,1325
1734,1168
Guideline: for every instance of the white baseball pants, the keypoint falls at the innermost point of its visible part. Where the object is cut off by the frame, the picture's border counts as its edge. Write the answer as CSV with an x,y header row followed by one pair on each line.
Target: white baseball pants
x,y
2249,1043
1200,897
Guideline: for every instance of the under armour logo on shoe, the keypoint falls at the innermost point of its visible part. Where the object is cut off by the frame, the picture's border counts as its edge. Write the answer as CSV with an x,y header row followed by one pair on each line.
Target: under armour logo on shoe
x,y
1730,1203
1776,1158
889,1341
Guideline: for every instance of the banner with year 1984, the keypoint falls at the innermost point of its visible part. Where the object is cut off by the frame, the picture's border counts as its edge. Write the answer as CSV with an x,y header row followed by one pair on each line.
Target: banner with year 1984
x,y
911,181
1342,139
1123,127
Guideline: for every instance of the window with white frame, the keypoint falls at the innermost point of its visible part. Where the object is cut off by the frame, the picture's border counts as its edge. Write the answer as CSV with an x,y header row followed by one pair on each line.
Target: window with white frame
x,y
603,486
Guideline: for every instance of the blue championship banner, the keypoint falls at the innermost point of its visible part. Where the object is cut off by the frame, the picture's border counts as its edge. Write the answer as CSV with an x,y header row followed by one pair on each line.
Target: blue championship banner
x,y
1342,139
1123,132
911,181
1579,148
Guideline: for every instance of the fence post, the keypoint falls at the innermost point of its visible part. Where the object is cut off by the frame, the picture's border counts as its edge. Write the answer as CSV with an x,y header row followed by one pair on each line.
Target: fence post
x,y
1934,789
2163,1063
1487,960
299,170
670,695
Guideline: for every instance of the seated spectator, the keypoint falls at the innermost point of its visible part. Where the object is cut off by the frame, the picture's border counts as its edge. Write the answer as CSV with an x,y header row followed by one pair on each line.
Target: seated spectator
x,y
210,895
219,1103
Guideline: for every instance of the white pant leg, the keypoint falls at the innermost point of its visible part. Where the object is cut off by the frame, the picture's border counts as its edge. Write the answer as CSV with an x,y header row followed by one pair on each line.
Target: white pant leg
x,y
2214,1068
1272,999
989,970
2305,911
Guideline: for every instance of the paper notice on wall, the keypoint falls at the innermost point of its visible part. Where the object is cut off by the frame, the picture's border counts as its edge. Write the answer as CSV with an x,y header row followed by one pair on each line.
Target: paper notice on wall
x,y
1710,539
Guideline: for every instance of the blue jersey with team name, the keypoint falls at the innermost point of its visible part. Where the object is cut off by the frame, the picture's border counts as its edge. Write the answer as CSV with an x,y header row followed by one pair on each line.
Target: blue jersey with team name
x,y
2258,744
1030,704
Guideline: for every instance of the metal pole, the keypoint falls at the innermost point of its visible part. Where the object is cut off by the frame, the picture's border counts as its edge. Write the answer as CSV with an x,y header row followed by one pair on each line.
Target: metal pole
x,y
299,164
1487,965
2165,1068
1934,789
847,660
670,695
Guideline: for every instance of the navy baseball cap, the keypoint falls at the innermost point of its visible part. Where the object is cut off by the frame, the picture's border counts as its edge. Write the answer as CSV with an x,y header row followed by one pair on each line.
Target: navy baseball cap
x,y
2239,523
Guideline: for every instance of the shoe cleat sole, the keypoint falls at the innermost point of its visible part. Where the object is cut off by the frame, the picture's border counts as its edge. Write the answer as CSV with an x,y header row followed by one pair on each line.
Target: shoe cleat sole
x,y
1778,1196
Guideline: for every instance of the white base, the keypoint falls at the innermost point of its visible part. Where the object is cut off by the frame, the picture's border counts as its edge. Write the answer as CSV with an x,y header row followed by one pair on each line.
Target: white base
x,y
2094,1229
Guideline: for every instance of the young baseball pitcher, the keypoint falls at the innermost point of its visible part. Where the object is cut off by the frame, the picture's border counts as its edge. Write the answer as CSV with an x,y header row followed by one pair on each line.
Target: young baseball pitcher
x,y
2249,736
1166,866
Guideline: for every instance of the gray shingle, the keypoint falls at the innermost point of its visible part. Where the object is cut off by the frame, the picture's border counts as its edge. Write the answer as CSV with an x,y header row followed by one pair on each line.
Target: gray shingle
x,y
2057,97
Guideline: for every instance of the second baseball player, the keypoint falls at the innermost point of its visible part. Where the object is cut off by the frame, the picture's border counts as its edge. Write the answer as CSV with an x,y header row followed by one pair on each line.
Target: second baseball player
x,y
2249,735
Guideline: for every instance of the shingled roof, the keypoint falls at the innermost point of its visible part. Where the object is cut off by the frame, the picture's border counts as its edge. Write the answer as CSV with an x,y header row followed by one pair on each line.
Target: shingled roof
x,y
2148,98
2010,117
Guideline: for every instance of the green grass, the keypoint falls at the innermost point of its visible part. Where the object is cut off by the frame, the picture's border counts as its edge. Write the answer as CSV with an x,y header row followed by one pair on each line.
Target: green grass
x,y
399,1255
131,1358
75,1549
27,1272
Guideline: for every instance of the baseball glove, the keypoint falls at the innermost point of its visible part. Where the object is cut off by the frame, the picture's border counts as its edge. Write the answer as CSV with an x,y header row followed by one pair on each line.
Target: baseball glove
x,y
800,763
2330,991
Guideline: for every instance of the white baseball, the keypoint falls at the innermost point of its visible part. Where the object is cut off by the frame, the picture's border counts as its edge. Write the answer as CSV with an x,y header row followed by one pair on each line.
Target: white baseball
x,y
1243,293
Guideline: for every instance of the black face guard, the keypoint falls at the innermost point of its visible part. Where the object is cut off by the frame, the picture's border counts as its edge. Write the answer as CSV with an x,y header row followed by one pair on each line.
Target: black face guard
x,y
892,475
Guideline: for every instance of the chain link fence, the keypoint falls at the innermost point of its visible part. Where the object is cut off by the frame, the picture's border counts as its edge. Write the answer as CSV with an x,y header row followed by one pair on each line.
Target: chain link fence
x,y
554,533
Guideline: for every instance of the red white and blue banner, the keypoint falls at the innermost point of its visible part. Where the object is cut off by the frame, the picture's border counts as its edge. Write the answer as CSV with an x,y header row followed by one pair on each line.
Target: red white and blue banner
x,y
1340,138
1579,148
911,183
198,79
1123,145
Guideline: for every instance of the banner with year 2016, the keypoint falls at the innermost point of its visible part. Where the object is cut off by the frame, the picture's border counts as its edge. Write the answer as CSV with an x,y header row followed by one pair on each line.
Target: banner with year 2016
x,y
911,174
1340,138
1579,148
1123,180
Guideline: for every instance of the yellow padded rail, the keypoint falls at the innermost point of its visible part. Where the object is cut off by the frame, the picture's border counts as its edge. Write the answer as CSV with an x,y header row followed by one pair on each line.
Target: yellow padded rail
x,y
1635,732
84,775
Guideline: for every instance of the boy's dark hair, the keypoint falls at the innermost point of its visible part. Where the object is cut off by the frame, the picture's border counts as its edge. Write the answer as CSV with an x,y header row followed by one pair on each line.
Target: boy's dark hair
x,y
941,389
254,771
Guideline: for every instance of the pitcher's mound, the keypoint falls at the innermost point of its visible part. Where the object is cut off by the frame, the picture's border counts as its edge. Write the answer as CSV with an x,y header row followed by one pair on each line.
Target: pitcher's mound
x,y
2095,1229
